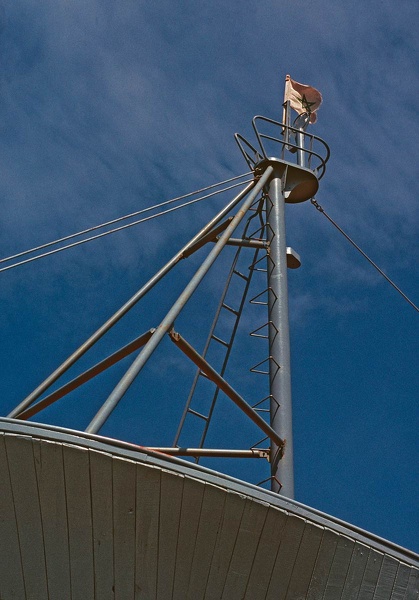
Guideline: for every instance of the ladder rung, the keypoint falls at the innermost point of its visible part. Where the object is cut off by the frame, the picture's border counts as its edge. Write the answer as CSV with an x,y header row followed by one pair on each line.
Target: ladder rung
x,y
240,275
257,335
269,397
217,339
258,302
197,414
257,368
232,310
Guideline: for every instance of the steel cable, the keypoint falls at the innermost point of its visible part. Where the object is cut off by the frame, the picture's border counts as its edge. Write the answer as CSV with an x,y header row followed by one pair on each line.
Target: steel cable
x,y
321,210
116,229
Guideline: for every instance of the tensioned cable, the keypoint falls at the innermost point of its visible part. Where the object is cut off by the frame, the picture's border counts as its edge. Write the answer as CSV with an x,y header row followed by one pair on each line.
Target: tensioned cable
x,y
321,209
95,237
116,229
134,214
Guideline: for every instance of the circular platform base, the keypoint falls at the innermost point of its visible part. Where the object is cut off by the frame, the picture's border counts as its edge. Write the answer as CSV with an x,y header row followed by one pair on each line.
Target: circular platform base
x,y
300,184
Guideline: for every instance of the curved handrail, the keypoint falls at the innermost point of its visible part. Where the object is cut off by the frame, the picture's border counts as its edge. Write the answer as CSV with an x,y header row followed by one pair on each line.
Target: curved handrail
x,y
244,145
316,160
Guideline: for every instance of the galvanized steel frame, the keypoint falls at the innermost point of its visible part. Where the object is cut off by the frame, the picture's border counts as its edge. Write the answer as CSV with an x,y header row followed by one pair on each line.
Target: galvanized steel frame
x,y
270,178
168,320
99,333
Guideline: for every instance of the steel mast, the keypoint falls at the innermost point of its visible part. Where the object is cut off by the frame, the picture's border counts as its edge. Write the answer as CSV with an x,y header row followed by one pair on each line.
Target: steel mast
x,y
298,160
282,471
287,167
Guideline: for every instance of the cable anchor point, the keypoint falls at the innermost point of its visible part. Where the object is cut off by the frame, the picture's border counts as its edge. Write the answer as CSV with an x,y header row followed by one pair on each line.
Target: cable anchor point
x,y
316,205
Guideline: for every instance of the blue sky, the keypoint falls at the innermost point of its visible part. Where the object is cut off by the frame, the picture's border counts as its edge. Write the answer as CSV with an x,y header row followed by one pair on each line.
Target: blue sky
x,y
107,108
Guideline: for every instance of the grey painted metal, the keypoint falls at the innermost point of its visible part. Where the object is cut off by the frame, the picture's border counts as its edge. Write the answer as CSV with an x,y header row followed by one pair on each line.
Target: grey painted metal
x,y
309,158
87,375
129,377
114,522
282,471
227,389
99,333
301,150
290,183
211,236
250,154
247,243
86,517
293,259
212,452
300,183
316,159
238,271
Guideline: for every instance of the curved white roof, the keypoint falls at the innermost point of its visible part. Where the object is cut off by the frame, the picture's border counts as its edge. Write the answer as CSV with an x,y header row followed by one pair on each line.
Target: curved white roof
x,y
86,517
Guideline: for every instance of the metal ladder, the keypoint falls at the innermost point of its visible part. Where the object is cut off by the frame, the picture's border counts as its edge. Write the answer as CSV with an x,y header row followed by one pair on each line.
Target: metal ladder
x,y
204,415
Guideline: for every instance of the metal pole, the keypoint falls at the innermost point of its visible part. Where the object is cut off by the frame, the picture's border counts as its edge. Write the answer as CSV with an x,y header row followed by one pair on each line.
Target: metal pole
x,y
210,452
282,471
86,376
300,151
167,322
126,307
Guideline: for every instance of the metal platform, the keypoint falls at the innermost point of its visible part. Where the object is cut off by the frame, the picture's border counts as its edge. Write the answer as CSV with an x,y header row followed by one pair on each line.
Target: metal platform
x,y
84,517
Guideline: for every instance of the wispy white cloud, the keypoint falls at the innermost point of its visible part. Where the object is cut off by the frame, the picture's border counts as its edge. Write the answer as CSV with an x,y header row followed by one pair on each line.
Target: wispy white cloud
x,y
107,107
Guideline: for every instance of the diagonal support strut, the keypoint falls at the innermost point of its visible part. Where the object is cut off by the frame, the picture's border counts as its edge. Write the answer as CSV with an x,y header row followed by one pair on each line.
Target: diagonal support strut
x,y
164,327
202,364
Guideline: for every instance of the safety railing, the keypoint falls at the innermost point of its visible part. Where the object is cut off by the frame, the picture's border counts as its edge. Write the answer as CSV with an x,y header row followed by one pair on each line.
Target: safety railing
x,y
284,142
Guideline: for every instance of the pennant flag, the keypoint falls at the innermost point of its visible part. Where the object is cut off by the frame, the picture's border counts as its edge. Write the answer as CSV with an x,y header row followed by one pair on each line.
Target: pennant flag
x,y
303,98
